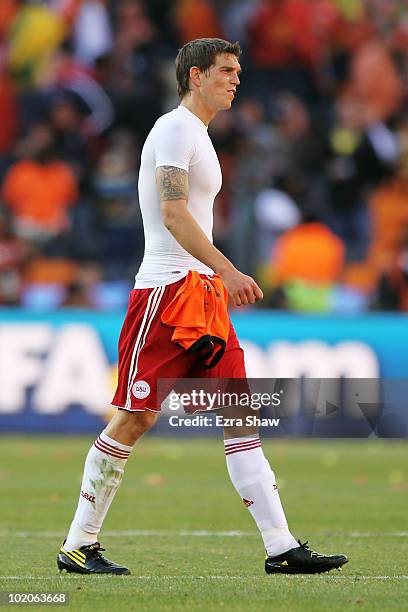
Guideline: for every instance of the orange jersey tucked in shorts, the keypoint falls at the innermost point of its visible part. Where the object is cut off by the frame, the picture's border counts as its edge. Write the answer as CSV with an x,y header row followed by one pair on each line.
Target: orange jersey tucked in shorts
x,y
199,315
148,353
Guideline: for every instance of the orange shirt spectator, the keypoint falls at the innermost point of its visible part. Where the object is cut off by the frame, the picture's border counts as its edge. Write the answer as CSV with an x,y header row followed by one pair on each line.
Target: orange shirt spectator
x,y
40,194
309,252
197,19
283,33
389,217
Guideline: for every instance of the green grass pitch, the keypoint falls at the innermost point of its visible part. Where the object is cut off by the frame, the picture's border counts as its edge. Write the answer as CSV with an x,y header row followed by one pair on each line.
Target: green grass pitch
x,y
174,519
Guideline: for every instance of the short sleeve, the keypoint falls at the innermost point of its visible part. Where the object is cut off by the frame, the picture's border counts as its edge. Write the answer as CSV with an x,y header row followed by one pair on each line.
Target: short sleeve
x,y
174,145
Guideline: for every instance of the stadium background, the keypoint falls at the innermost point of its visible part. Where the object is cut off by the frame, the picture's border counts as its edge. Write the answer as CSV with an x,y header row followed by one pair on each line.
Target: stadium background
x,y
314,201
314,204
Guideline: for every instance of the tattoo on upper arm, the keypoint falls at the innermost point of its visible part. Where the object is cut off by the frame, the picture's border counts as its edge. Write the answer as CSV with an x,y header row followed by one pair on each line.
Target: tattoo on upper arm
x,y
172,183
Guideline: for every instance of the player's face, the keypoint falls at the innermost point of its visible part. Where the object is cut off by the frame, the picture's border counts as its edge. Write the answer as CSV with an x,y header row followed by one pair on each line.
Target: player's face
x,y
219,85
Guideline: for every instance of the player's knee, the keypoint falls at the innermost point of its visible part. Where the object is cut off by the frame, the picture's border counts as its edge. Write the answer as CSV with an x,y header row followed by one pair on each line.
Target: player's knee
x,y
127,427
138,423
144,421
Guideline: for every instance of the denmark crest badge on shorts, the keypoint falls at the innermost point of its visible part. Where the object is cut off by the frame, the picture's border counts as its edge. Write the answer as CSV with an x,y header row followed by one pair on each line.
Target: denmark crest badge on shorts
x,y
141,389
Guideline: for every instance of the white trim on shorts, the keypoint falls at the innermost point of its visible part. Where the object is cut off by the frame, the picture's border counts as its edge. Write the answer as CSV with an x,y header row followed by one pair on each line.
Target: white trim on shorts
x,y
150,312
136,409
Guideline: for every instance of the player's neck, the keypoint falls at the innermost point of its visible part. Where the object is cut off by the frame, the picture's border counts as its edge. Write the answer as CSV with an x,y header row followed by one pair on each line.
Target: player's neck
x,y
196,106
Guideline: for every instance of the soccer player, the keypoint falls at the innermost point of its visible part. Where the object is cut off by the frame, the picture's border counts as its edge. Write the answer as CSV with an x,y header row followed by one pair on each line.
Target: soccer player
x,y
178,181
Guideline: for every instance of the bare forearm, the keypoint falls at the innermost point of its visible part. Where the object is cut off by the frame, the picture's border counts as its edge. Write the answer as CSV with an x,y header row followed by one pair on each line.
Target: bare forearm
x,y
191,237
241,288
172,185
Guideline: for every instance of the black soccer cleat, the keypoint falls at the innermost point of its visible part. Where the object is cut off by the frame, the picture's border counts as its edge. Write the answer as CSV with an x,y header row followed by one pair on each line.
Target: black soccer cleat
x,y
87,560
302,560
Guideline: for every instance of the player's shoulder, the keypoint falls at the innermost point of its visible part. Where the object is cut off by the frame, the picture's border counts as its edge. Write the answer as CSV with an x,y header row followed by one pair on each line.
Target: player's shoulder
x,y
173,120
171,140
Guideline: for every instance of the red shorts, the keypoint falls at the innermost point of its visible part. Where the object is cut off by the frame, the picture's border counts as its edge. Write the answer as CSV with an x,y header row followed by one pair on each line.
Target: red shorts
x,y
147,353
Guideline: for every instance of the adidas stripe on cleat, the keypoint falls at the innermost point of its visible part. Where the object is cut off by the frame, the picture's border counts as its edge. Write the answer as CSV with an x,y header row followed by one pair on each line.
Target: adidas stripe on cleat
x,y
302,560
88,560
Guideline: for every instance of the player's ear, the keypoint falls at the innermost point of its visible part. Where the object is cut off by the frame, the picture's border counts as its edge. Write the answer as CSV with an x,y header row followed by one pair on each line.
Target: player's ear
x,y
195,76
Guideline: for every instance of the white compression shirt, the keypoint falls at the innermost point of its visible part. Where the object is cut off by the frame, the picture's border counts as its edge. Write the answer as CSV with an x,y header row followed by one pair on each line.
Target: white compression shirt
x,y
179,139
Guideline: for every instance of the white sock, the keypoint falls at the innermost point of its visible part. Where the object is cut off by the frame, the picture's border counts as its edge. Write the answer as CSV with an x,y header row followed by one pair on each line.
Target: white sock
x,y
254,481
104,467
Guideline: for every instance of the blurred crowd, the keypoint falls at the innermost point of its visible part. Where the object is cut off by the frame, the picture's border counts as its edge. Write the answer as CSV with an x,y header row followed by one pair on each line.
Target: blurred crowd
x,y
314,153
